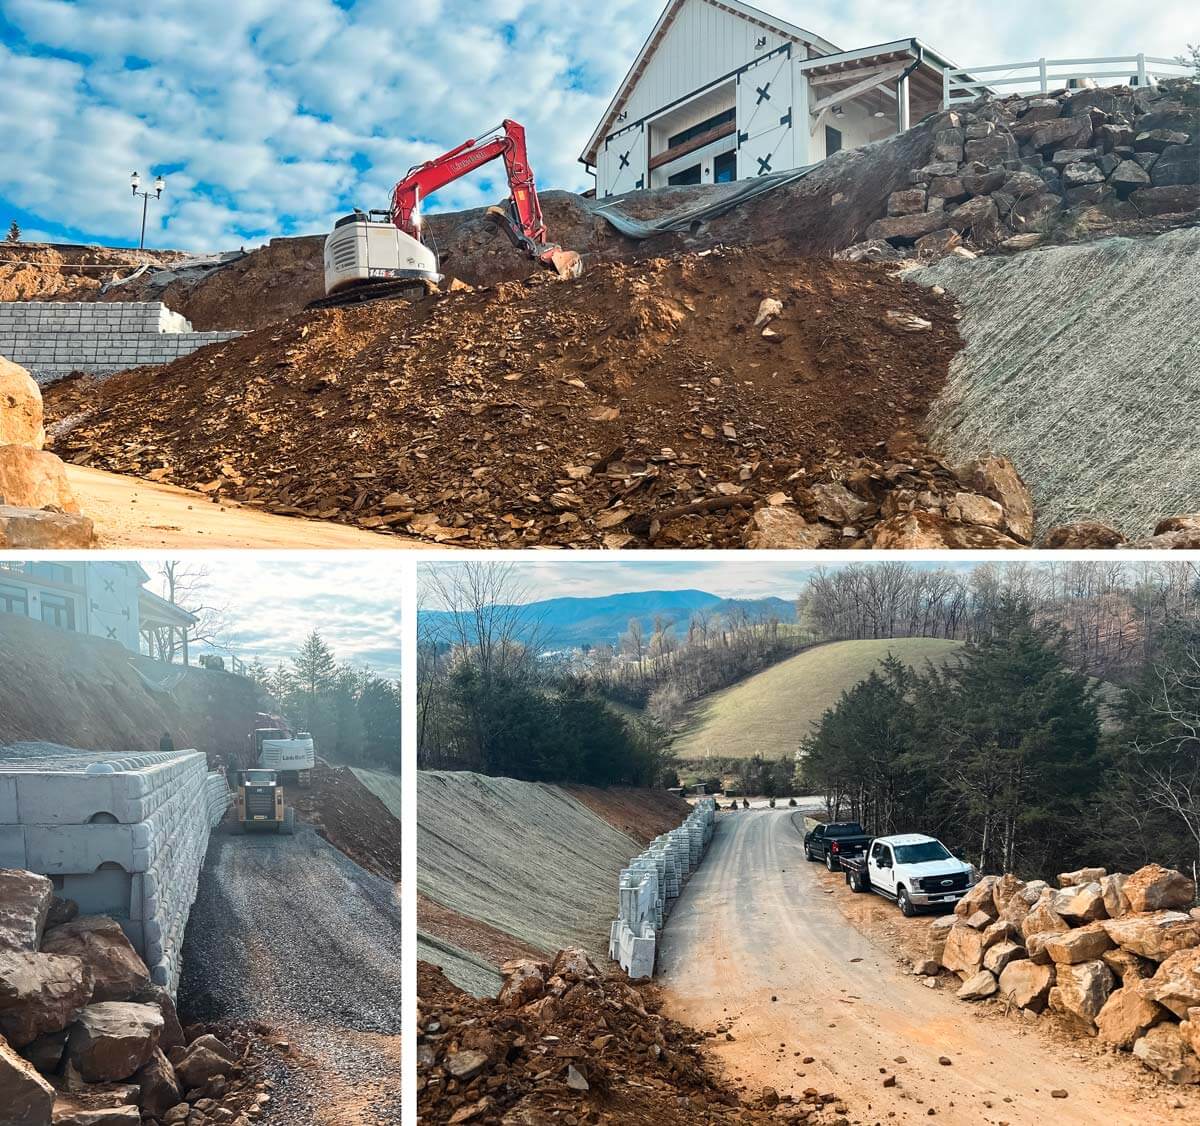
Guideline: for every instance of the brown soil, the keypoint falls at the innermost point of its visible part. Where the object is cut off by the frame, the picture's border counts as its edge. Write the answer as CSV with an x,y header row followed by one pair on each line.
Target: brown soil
x,y
478,938
636,406
41,272
641,1068
640,814
351,818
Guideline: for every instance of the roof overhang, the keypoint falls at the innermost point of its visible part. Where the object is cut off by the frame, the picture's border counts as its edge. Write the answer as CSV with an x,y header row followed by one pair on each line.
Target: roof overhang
x,y
658,34
154,611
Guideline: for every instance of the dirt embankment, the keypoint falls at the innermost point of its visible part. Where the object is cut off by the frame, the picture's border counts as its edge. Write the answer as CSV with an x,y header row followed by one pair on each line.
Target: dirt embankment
x,y
639,405
82,691
640,814
32,271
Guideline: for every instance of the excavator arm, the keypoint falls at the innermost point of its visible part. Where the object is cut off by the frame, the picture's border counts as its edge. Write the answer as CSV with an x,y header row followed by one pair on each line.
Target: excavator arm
x,y
522,221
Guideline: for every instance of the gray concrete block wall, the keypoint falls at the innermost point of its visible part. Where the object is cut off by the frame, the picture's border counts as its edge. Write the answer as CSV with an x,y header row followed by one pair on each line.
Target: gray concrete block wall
x,y
123,836
651,884
51,339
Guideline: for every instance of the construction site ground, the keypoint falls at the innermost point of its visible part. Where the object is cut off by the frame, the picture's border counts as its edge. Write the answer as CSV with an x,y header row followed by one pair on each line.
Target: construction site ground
x,y
288,932
636,406
801,983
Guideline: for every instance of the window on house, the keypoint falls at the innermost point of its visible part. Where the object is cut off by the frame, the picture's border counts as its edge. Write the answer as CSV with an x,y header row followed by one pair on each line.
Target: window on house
x,y
695,131
55,572
687,176
725,168
13,600
833,140
58,611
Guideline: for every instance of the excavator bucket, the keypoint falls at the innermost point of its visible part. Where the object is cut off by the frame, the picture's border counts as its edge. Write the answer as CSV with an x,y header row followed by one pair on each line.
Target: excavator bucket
x,y
566,263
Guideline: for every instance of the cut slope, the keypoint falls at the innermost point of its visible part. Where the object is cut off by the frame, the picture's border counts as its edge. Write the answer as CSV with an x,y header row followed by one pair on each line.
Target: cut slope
x,y
540,412
770,713
1080,366
524,858
639,814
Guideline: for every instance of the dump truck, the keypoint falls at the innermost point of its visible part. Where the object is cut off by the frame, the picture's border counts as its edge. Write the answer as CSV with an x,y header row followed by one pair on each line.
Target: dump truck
x,y
259,803
274,746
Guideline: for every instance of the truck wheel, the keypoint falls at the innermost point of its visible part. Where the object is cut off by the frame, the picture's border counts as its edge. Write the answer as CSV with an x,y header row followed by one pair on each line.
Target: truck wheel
x,y
830,863
856,881
239,827
808,855
905,904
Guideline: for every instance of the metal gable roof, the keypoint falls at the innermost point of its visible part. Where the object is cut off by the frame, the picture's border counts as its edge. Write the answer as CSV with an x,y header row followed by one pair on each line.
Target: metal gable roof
x,y
668,17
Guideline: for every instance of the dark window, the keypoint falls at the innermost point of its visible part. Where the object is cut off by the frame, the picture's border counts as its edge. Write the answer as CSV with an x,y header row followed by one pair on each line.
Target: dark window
x,y
687,176
13,600
58,611
845,829
725,168
703,127
922,853
55,572
833,140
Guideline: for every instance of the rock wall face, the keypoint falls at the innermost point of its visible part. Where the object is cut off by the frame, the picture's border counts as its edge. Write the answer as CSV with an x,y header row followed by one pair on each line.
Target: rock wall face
x,y
123,837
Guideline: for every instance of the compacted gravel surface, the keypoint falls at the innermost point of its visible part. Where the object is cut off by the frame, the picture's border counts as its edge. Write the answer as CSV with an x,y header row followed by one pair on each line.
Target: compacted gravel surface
x,y
289,932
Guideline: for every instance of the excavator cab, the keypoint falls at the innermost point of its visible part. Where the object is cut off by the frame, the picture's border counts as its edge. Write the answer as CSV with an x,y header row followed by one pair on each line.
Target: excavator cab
x,y
259,803
367,249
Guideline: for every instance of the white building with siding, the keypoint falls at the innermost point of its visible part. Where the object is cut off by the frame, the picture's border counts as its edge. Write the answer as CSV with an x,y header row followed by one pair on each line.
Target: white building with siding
x,y
722,91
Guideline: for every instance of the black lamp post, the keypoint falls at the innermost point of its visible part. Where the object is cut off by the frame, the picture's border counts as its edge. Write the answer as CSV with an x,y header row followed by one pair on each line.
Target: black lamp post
x,y
134,183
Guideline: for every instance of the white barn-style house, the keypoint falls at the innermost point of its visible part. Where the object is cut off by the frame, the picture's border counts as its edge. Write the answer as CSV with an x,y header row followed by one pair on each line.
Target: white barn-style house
x,y
722,91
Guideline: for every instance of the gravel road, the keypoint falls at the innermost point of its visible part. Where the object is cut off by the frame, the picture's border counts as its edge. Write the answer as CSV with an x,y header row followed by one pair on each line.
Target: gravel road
x,y
288,931
757,943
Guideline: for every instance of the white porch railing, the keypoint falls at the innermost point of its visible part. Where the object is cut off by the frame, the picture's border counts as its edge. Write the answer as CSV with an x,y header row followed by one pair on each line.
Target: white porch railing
x,y
1044,75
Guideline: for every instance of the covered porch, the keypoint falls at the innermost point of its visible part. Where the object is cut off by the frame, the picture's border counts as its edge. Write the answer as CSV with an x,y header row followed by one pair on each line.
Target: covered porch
x,y
164,628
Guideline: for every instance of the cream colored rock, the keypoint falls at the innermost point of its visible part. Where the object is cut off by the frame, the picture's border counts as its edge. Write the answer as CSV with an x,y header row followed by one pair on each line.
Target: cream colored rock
x,y
1127,965
1164,1050
978,987
997,477
999,957
1004,889
1083,903
41,528
20,408
963,953
1190,1030
1116,902
939,931
777,527
34,479
980,898
1176,985
1027,984
1155,934
1128,1015
1155,888
1083,989
1084,944
1043,918
1081,876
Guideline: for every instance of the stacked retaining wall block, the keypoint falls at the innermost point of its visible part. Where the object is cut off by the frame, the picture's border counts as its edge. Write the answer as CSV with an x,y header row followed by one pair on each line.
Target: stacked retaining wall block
x,y
51,339
651,884
124,837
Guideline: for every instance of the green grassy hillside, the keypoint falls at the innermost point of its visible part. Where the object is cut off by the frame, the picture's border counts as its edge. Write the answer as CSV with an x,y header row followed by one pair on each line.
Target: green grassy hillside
x,y
771,712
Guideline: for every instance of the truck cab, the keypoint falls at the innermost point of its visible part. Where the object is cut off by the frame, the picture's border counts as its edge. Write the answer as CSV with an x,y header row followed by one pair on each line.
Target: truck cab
x,y
834,842
917,871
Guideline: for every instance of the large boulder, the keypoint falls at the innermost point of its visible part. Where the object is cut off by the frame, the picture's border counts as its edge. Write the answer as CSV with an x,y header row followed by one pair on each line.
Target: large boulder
x,y
44,529
34,479
997,477
778,527
26,1099
1128,1015
1082,903
997,958
40,994
1004,889
1042,918
1129,966
1155,888
118,972
113,1039
199,1065
159,1090
1027,984
1176,985
1155,934
172,1033
978,987
1190,1030
980,898
524,981
1084,944
20,408
24,906
1081,876
1164,1050
1116,902
1083,990
939,931
963,953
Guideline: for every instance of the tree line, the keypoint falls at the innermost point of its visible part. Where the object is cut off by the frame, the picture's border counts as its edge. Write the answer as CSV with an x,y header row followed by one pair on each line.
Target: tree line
x,y
352,713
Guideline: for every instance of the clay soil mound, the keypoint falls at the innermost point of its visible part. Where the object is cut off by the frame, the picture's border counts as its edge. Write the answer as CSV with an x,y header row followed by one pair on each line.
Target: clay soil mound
x,y
641,1069
351,818
636,406
640,814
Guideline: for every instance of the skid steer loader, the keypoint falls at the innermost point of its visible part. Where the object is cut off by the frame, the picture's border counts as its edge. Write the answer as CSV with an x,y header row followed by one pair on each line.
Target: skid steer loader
x,y
259,804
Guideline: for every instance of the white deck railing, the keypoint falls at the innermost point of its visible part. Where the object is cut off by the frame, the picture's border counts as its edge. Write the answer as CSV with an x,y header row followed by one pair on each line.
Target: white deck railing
x,y
1044,75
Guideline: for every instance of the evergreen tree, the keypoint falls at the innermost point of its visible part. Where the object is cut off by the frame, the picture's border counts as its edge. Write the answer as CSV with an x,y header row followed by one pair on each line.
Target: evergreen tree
x,y
14,231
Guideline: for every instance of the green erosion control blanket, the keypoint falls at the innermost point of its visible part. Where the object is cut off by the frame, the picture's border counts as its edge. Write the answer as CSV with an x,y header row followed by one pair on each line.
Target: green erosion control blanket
x,y
1082,365
386,787
523,857
465,969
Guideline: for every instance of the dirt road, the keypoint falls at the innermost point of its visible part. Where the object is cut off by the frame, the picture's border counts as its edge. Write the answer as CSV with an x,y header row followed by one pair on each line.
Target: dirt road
x,y
759,943
129,512
287,931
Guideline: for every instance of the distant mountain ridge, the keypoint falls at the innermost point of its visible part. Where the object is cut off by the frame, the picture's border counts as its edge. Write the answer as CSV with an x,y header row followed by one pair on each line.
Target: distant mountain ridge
x,y
571,622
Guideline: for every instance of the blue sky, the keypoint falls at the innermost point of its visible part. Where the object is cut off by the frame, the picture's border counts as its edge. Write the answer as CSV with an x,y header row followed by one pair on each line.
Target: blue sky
x,y
270,606
271,118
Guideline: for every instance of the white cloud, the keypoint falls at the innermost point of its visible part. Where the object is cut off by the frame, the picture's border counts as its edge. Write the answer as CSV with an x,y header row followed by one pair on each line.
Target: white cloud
x,y
281,115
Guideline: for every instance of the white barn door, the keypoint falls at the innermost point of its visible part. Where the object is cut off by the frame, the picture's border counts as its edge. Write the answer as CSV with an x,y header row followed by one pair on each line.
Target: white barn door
x,y
623,164
765,117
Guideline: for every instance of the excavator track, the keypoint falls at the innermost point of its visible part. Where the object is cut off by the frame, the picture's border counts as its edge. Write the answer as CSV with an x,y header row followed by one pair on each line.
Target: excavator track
x,y
362,294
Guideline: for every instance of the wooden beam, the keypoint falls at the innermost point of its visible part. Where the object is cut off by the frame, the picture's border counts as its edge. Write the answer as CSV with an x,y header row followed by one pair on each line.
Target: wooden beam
x,y
862,87
714,134
841,75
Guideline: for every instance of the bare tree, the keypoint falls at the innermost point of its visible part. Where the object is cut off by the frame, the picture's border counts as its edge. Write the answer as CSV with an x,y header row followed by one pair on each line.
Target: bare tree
x,y
187,585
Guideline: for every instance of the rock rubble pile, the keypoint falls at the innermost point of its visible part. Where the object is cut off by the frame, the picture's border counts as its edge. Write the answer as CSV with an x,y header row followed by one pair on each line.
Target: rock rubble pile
x,y
1115,956
87,1040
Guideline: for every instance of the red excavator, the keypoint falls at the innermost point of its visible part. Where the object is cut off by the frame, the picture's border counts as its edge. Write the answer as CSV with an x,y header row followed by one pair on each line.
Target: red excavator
x,y
380,253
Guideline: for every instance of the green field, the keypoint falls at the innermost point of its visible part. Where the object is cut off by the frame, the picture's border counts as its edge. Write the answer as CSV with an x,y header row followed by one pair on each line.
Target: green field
x,y
770,713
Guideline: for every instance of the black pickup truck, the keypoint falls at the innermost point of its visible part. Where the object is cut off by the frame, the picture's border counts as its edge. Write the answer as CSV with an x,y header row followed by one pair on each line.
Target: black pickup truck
x,y
830,842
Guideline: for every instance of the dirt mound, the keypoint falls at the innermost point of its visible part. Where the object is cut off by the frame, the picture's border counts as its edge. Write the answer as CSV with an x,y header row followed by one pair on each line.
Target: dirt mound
x,y
583,1048
351,818
112,707
639,405
46,272
640,814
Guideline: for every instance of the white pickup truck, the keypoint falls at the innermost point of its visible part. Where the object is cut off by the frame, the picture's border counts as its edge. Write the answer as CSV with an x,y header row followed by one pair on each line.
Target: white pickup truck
x,y
914,870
